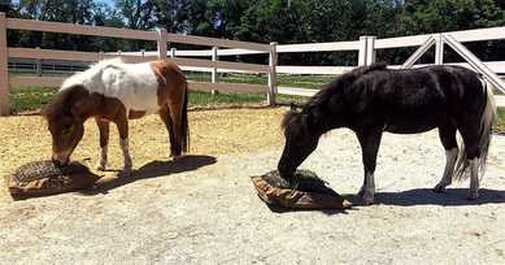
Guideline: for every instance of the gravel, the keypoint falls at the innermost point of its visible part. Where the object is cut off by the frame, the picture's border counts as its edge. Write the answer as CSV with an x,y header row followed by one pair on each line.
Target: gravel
x,y
196,211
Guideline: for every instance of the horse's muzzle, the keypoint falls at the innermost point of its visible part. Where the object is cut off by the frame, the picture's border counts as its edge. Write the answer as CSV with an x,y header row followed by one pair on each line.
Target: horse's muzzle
x,y
60,159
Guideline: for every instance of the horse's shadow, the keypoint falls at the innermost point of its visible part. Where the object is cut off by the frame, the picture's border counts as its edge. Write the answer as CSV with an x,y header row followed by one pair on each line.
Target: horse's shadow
x,y
282,210
452,197
152,170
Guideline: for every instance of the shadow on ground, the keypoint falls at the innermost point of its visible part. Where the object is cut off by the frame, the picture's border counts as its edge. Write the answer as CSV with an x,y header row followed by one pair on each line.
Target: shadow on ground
x,y
154,169
452,197
279,209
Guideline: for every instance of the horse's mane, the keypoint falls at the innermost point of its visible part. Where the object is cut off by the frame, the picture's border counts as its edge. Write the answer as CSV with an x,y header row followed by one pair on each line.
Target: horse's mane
x,y
80,77
344,81
316,106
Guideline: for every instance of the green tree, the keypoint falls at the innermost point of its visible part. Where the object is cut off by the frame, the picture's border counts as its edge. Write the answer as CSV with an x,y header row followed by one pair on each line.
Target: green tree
x,y
422,16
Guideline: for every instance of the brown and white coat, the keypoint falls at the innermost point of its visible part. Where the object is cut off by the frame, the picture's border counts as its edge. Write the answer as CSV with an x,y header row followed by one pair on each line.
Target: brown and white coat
x,y
114,91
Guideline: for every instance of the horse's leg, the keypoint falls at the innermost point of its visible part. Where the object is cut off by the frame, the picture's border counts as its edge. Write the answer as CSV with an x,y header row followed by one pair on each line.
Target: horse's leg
x,y
447,134
122,125
369,141
167,120
103,128
470,134
175,112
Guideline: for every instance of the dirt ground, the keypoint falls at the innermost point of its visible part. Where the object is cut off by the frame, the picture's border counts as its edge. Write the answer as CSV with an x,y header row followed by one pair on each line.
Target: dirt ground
x,y
213,132
203,209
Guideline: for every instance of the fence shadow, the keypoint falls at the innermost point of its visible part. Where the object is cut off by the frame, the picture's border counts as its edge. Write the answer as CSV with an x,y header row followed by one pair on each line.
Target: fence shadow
x,y
152,170
452,197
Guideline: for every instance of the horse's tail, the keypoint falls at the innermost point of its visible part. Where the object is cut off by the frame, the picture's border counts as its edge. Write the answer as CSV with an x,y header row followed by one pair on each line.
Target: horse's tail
x,y
487,119
184,120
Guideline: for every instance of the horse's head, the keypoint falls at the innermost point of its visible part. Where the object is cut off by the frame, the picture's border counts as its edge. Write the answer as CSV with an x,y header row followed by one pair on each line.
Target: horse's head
x,y
64,124
301,140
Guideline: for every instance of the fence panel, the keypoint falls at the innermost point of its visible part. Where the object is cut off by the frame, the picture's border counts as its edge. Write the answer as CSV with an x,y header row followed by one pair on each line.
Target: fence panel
x,y
4,74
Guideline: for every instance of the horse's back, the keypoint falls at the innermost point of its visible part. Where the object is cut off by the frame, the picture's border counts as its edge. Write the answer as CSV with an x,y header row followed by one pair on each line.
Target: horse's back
x,y
417,100
135,85
139,87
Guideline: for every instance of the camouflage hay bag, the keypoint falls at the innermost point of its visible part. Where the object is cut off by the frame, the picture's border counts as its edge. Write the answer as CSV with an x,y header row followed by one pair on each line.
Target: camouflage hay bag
x,y
45,178
306,191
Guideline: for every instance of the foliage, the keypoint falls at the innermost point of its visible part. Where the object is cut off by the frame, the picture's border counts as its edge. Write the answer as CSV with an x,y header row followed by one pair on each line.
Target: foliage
x,y
263,21
500,124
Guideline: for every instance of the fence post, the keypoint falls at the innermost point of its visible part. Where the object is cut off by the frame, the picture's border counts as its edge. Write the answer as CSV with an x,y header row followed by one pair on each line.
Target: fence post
x,y
172,53
4,64
363,40
370,50
214,70
439,49
272,74
38,65
162,43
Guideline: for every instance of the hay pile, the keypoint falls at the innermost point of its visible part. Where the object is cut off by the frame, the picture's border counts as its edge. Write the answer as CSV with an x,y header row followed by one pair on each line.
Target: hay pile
x,y
305,190
26,138
42,178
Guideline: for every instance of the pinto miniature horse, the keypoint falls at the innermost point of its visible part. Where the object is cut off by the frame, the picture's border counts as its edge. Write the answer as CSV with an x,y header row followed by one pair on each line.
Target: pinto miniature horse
x,y
372,100
114,91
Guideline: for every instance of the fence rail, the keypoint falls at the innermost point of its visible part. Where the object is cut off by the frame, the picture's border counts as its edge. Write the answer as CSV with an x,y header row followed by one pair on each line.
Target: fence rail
x,y
57,27
160,36
366,48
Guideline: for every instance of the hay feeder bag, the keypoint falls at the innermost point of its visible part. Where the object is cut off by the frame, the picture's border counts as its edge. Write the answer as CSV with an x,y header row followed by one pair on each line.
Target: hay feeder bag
x,y
42,178
304,191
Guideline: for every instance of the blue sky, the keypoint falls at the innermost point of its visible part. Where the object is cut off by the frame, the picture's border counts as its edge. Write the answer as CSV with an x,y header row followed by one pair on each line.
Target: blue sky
x,y
109,2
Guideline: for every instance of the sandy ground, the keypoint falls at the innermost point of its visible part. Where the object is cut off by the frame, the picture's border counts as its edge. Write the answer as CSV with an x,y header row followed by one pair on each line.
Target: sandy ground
x,y
204,210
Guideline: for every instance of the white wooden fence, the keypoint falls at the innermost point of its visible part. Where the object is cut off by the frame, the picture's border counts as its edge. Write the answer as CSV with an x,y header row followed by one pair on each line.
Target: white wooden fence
x,y
366,47
160,36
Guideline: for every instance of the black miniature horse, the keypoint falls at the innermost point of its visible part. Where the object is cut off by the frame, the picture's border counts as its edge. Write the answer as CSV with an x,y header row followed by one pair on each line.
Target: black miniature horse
x,y
372,100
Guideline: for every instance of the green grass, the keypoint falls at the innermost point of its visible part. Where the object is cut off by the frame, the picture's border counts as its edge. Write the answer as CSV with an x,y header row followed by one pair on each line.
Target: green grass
x,y
198,98
500,124
33,98
29,98
303,81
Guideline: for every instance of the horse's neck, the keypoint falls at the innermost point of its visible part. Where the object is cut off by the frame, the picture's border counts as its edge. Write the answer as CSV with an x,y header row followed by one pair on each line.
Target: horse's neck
x,y
82,107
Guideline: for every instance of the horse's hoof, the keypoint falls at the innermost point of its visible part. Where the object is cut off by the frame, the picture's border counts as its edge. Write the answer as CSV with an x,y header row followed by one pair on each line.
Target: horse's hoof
x,y
126,172
366,198
176,157
439,189
101,167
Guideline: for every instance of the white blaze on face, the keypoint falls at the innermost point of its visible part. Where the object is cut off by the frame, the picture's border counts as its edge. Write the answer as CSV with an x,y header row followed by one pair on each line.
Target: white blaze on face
x,y
135,85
